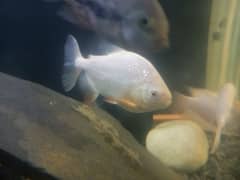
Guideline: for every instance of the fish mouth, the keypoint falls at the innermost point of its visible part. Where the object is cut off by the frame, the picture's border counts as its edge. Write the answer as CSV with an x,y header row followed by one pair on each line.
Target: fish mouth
x,y
161,44
165,44
164,103
158,46
166,100
167,103
154,49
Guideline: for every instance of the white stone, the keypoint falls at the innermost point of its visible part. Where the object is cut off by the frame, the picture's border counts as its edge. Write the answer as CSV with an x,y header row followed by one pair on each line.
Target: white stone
x,y
179,144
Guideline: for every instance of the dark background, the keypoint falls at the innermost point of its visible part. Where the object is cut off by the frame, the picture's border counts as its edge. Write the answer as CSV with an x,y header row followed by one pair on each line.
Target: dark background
x,y
32,39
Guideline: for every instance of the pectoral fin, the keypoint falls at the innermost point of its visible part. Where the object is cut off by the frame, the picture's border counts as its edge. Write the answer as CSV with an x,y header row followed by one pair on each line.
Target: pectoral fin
x,y
127,103
122,102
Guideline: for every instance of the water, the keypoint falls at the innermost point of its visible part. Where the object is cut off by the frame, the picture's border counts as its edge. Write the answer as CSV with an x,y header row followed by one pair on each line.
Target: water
x,y
32,40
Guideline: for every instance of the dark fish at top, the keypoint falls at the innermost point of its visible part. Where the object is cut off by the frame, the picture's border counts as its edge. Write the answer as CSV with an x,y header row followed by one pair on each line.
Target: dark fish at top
x,y
132,24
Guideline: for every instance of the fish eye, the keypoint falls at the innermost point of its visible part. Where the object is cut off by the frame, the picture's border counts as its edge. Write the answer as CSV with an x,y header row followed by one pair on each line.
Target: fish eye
x,y
154,93
143,22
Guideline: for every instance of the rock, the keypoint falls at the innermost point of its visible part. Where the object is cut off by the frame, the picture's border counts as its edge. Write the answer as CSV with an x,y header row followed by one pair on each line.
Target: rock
x,y
179,144
63,139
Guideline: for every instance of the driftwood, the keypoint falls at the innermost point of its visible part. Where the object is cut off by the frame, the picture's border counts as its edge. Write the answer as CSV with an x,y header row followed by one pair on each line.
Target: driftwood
x,y
67,140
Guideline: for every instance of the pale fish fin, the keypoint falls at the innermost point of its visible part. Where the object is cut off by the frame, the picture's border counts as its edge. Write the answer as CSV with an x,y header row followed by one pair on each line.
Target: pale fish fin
x,y
196,92
72,50
227,96
110,100
225,104
217,139
87,89
121,102
184,105
203,123
127,103
72,59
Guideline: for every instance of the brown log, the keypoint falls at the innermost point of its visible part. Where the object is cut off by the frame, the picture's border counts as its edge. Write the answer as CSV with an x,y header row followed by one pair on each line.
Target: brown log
x,y
68,140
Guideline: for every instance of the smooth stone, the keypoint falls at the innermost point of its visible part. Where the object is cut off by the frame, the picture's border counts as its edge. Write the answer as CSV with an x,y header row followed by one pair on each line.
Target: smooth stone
x,y
179,144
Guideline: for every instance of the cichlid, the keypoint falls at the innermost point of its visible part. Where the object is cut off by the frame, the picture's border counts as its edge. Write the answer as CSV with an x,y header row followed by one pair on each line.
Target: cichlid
x,y
213,109
123,78
131,24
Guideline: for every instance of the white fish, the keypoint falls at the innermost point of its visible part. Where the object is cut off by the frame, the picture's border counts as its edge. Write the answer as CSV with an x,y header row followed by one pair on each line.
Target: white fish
x,y
123,78
213,109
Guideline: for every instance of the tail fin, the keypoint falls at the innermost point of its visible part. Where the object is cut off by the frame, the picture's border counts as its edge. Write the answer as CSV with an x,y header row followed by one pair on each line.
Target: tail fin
x,y
72,58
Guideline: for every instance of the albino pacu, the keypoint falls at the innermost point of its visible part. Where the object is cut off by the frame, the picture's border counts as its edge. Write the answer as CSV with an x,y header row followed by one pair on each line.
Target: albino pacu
x,y
123,78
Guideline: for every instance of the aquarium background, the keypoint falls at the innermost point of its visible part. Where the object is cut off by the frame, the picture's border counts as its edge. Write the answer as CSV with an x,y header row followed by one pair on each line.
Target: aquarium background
x,y
223,44
32,39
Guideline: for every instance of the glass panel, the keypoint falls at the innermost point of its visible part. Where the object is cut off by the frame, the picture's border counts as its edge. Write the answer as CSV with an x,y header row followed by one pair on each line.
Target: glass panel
x,y
223,48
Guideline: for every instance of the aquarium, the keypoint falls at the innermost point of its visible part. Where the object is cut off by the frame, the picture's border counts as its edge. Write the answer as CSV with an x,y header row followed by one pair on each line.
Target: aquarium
x,y
123,90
